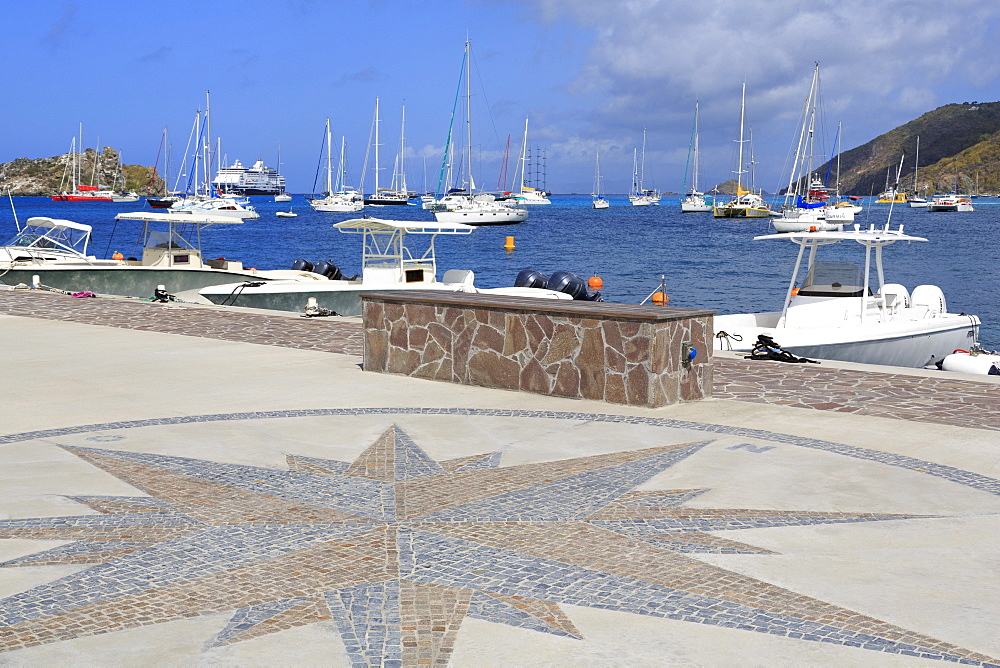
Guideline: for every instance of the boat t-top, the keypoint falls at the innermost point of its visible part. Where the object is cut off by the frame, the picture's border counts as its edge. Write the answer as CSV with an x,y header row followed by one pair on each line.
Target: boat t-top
x,y
388,262
834,314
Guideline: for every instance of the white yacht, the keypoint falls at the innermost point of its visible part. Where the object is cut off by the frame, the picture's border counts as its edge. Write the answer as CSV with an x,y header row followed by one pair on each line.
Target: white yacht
x,y
387,263
835,314
227,207
244,181
640,195
950,202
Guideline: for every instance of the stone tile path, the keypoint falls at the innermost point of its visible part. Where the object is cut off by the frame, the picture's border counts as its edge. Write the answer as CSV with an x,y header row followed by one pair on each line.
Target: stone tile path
x,y
943,400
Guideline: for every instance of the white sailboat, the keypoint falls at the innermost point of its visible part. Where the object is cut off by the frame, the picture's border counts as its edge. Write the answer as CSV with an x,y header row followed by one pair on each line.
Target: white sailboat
x,y
526,194
386,196
600,202
746,203
338,198
694,201
806,197
915,201
640,195
468,206
840,209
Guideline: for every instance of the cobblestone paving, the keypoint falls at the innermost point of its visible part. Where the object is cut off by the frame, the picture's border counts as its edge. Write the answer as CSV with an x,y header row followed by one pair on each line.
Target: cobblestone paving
x,y
398,549
942,400
323,334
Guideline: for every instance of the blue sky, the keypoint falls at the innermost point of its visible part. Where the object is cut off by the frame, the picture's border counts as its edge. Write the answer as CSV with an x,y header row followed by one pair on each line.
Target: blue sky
x,y
590,74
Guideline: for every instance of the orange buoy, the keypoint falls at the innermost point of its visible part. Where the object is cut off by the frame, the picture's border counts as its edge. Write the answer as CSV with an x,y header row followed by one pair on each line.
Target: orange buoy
x,y
509,244
812,228
595,283
118,256
661,298
795,291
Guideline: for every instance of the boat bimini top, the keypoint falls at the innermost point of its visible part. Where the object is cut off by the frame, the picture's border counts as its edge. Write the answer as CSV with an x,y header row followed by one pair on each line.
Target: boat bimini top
x,y
50,235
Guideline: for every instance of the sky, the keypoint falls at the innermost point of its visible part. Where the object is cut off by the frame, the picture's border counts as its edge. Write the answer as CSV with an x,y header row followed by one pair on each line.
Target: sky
x,y
589,75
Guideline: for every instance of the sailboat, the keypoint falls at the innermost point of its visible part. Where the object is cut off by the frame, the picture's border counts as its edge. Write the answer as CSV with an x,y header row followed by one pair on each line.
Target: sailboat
x,y
915,201
526,194
466,205
746,203
338,198
282,196
694,201
640,195
840,209
385,196
806,197
599,201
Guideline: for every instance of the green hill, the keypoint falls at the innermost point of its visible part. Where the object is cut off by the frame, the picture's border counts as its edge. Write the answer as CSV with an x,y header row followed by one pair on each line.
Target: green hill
x,y
958,143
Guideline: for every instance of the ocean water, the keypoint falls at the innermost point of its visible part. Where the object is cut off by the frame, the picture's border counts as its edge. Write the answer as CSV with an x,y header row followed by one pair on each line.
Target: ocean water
x,y
705,262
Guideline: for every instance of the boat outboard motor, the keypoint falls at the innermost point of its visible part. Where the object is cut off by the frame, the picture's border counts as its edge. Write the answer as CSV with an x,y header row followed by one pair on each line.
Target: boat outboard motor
x,y
573,285
302,265
328,269
530,278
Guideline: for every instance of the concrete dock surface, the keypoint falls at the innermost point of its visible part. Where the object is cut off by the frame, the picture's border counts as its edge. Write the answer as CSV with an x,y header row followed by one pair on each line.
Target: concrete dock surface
x,y
202,486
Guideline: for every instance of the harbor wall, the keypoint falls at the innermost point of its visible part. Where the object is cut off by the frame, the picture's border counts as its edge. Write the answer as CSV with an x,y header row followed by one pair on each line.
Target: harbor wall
x,y
619,353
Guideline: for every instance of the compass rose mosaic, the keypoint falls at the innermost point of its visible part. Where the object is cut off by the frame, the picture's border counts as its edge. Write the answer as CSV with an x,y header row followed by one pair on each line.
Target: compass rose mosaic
x,y
395,550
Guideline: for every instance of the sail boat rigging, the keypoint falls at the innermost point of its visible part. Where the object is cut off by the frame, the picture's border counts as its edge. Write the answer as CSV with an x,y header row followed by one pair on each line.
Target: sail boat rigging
x,y
640,195
338,197
694,201
746,203
467,206
600,202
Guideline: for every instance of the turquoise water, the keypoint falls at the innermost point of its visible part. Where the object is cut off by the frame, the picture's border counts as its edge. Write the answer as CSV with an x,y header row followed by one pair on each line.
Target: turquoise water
x,y
706,262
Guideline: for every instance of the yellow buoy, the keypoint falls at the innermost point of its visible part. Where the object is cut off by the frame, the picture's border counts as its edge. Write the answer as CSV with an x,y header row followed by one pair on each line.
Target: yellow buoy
x,y
661,298
509,244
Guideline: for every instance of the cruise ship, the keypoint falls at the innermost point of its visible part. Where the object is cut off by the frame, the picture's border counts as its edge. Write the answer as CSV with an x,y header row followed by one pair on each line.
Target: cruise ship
x,y
242,181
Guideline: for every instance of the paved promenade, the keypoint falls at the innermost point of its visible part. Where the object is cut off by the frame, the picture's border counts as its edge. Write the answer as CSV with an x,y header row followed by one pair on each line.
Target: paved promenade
x,y
196,486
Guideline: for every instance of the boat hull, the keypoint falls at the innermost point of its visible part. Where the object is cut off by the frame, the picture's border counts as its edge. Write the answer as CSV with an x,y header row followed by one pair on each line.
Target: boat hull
x,y
740,212
485,217
129,281
912,344
342,297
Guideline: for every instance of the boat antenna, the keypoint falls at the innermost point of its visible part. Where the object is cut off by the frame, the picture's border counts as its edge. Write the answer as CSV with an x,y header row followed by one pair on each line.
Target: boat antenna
x,y
12,209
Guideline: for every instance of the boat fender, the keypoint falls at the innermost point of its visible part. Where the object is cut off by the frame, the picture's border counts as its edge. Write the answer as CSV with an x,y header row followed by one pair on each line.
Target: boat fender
x,y
302,265
530,278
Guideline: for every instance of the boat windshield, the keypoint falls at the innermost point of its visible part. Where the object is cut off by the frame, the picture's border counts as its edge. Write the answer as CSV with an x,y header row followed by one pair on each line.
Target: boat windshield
x,y
46,236
833,279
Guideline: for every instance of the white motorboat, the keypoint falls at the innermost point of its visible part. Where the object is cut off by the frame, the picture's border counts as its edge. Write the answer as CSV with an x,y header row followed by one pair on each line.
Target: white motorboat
x,y
387,263
950,202
833,313
286,214
228,207
56,252
283,197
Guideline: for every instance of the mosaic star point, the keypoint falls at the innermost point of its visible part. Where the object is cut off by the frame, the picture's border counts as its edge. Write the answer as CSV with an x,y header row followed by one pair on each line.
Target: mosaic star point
x,y
396,549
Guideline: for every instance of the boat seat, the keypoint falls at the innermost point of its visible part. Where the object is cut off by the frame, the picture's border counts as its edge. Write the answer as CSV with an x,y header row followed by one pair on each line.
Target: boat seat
x,y
896,296
463,277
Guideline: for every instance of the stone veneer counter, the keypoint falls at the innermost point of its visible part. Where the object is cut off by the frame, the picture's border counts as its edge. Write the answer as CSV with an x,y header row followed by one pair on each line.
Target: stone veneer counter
x,y
620,353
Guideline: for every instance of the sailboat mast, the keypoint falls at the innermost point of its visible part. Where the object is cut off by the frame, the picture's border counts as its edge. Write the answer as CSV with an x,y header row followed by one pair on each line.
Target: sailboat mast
x,y
375,192
329,162
739,159
402,151
468,115
916,164
694,175
642,162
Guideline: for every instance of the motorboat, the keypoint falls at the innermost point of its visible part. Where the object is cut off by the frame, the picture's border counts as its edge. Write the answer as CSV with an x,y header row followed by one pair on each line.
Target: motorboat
x,y
283,197
950,202
388,262
834,314
223,207
286,214
56,251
